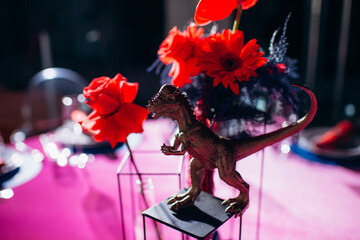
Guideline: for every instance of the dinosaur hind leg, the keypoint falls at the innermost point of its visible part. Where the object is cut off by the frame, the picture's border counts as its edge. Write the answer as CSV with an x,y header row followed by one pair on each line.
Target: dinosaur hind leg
x,y
188,198
228,174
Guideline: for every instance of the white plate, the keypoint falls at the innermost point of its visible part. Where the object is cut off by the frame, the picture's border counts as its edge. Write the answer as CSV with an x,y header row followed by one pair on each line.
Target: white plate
x,y
307,142
28,167
71,135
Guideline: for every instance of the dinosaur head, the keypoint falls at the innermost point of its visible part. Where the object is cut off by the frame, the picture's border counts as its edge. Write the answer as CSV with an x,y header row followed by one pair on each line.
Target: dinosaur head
x,y
166,102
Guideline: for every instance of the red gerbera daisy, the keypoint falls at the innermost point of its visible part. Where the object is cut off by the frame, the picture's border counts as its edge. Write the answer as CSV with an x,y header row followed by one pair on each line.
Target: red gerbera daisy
x,y
179,49
214,10
225,58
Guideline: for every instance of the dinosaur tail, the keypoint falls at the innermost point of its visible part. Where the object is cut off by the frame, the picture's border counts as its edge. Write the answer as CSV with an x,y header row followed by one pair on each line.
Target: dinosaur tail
x,y
251,145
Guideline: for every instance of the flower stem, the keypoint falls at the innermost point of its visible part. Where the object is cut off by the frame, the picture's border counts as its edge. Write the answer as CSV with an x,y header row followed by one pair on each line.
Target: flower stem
x,y
237,18
141,186
132,160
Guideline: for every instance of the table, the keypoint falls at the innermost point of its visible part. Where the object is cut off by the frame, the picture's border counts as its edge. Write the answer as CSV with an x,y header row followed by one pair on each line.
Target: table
x,y
301,199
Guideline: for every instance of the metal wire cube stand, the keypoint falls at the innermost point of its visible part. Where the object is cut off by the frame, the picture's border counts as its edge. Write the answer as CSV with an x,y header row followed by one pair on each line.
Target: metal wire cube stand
x,y
166,169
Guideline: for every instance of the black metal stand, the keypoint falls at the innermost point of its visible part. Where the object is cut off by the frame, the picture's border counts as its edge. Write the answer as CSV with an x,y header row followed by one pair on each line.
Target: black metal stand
x,y
198,221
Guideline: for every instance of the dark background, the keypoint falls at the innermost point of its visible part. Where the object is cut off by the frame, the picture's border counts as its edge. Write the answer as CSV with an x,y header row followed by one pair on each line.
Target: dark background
x,y
128,34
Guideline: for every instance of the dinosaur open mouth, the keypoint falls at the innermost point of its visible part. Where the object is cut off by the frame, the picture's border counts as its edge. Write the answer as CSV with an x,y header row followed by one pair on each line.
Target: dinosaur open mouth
x,y
155,107
158,112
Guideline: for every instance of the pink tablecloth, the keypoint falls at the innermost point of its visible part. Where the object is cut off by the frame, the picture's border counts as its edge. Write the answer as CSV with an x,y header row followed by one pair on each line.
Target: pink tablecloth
x,y
300,199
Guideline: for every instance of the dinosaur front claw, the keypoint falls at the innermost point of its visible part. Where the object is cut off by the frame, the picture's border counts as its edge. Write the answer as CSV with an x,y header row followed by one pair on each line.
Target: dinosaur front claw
x,y
237,206
166,149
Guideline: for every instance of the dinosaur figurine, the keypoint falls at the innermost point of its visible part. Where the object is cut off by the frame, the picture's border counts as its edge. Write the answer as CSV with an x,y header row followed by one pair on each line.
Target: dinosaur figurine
x,y
209,150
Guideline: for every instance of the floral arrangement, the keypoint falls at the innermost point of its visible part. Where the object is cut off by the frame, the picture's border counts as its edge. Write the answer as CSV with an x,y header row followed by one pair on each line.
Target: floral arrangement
x,y
224,76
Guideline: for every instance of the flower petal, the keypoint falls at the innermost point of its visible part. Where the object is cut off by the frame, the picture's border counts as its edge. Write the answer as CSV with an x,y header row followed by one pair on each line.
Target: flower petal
x,y
107,131
130,117
246,4
104,104
128,91
112,88
88,124
115,128
234,87
236,42
213,10
95,87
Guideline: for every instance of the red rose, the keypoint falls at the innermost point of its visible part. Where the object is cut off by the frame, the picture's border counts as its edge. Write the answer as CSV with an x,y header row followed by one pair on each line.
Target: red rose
x,y
179,48
114,115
